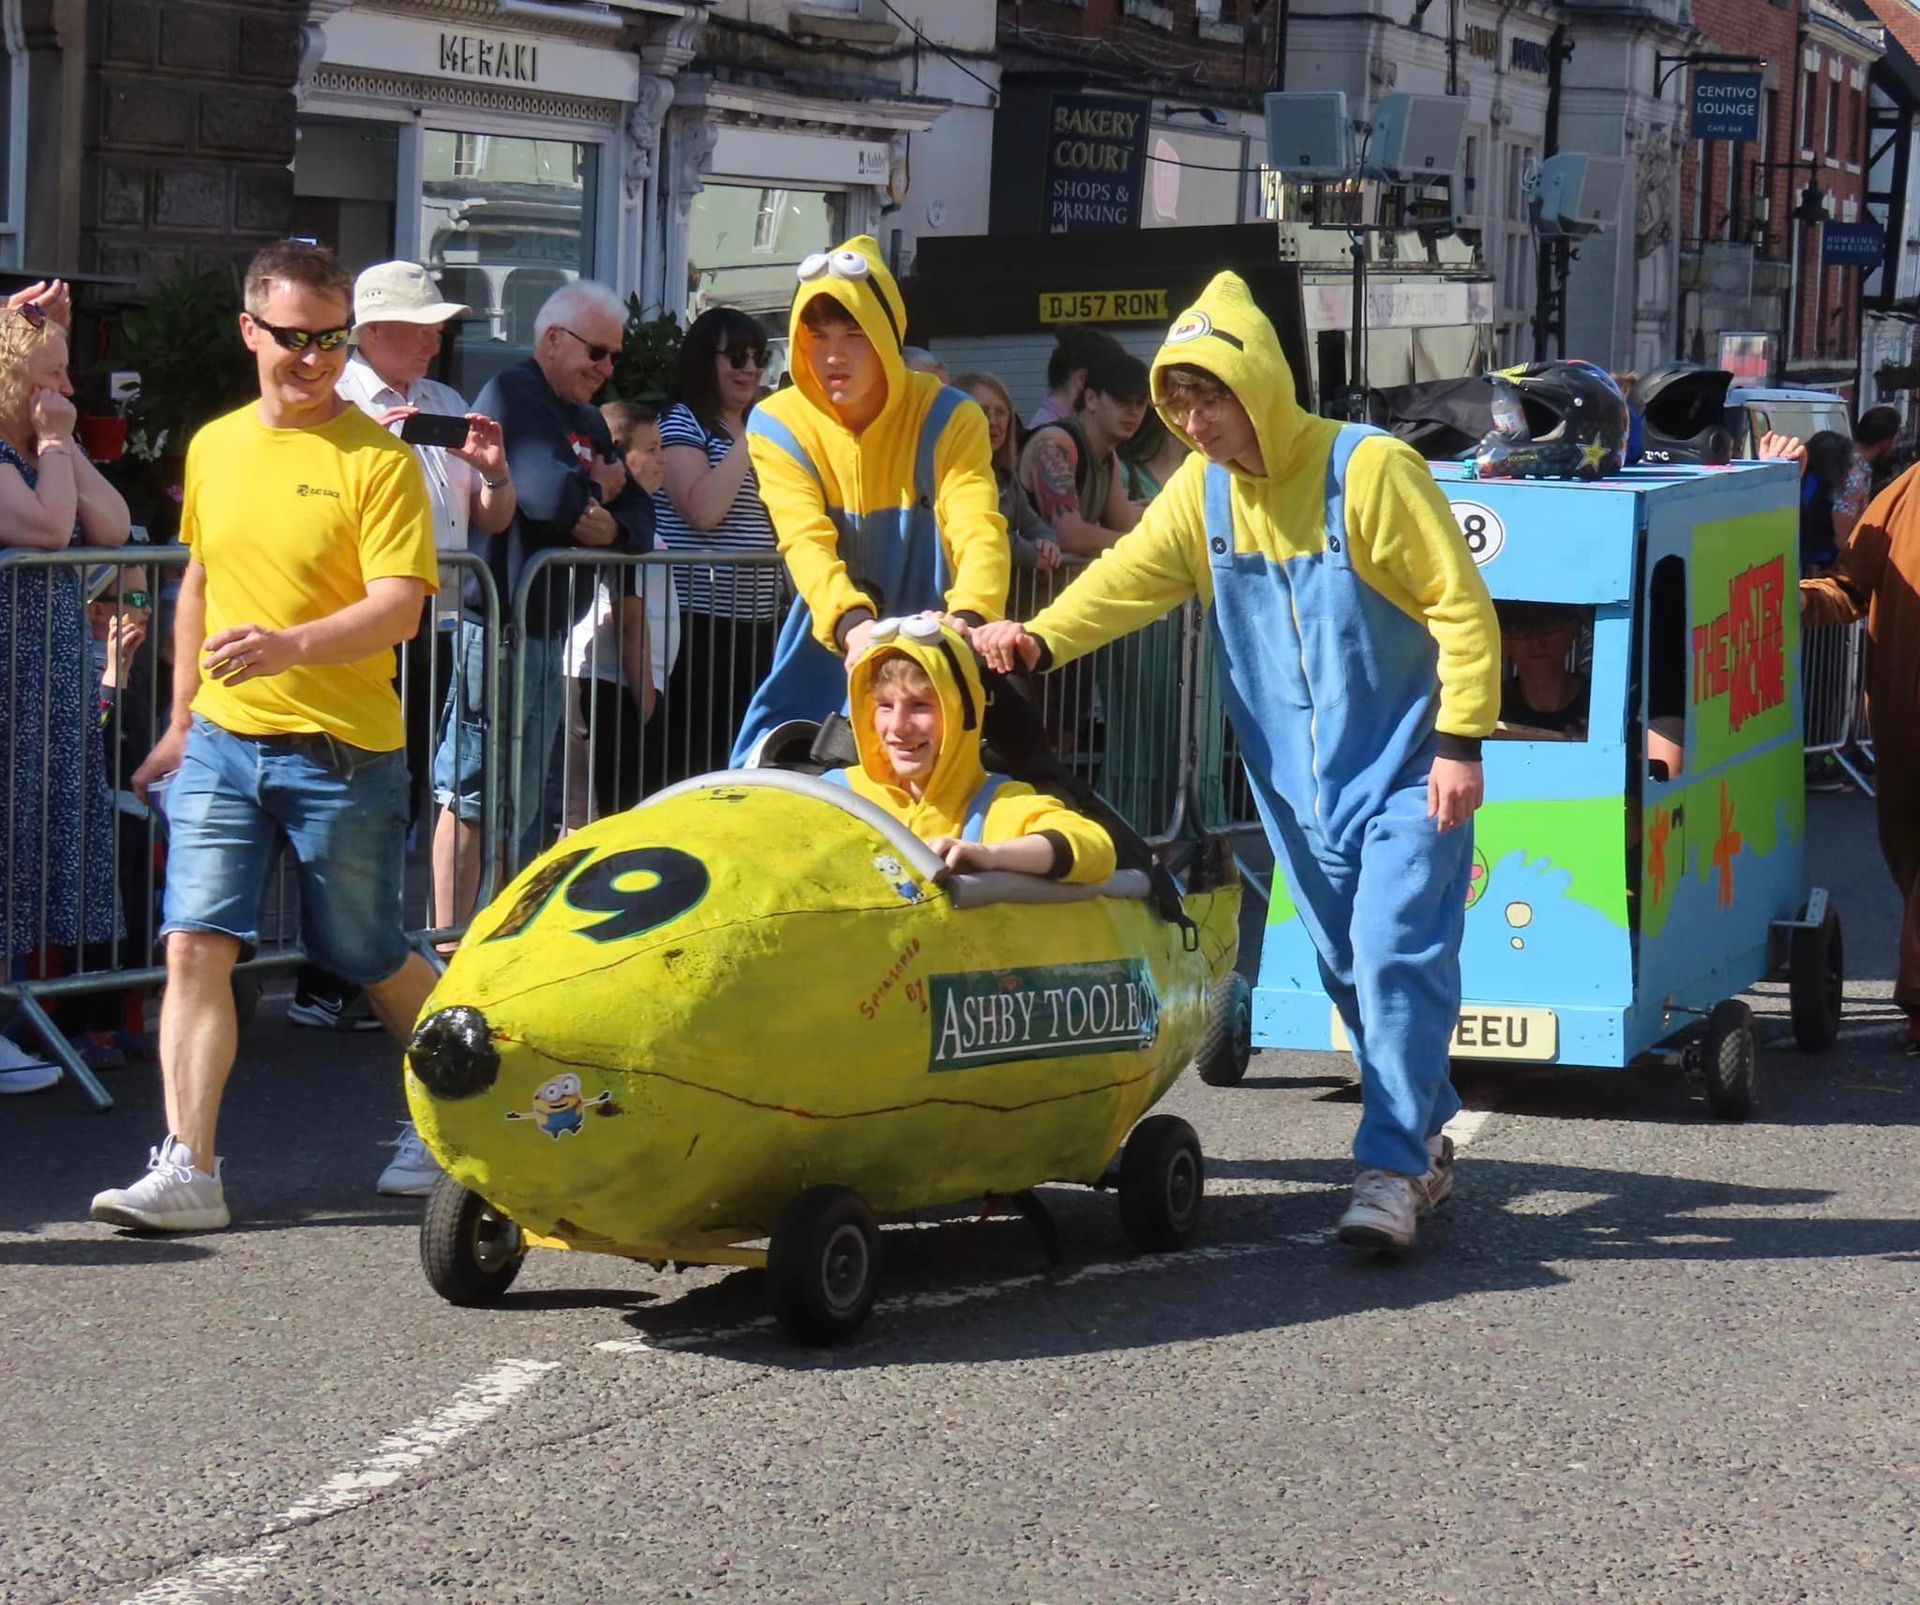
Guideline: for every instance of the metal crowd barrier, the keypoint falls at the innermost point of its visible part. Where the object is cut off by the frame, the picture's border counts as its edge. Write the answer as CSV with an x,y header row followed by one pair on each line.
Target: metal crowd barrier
x,y
70,753
1117,718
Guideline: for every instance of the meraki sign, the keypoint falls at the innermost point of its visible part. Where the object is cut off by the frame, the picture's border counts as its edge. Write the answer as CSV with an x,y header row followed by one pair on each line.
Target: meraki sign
x,y
473,55
1096,151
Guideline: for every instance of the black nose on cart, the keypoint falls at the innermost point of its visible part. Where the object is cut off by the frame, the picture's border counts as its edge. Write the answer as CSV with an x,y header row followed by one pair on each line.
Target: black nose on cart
x,y
453,1054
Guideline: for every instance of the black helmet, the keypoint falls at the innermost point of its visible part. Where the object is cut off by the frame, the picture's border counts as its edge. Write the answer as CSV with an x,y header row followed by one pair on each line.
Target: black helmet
x,y
1554,420
1683,406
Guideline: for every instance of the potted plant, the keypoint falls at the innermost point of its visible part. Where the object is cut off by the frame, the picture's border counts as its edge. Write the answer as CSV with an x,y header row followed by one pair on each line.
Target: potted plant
x,y
184,343
643,371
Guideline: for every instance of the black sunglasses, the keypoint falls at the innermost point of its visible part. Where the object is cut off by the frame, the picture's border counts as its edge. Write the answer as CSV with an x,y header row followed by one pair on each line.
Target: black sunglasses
x,y
36,316
594,353
746,357
300,339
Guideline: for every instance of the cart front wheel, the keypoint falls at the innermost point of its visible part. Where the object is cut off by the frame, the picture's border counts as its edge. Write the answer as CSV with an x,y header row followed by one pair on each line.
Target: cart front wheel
x,y
1222,1059
1728,1057
1816,973
823,1265
470,1251
1162,1180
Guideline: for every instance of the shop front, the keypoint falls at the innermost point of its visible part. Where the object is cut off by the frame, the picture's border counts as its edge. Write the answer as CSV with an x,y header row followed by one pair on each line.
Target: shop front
x,y
500,149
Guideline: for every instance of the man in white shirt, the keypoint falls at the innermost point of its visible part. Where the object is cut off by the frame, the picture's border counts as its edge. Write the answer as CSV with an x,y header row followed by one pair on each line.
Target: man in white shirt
x,y
399,319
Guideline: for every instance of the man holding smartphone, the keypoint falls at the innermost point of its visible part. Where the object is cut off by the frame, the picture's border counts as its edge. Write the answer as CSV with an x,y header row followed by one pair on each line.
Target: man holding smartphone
x,y
572,492
400,320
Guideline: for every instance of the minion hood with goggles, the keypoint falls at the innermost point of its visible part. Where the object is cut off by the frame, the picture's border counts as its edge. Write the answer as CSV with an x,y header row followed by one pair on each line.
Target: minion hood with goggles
x,y
855,276
897,517
1554,420
960,798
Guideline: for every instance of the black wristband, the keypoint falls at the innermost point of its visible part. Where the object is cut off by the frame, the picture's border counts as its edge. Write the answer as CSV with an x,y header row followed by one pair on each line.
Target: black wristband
x,y
1465,748
1062,865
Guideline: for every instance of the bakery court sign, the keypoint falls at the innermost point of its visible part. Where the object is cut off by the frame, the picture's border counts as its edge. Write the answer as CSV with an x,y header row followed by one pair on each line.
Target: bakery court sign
x,y
385,43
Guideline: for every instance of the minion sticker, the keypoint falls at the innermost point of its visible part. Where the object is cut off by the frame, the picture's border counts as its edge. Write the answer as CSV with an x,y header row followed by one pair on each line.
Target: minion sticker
x,y
559,1109
896,872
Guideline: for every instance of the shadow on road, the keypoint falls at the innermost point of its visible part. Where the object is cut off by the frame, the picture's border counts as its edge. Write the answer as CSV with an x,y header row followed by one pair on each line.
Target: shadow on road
x,y
981,1292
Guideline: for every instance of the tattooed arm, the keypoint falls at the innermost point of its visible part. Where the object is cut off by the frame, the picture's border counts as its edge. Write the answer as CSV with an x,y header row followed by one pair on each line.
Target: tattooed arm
x,y
1047,470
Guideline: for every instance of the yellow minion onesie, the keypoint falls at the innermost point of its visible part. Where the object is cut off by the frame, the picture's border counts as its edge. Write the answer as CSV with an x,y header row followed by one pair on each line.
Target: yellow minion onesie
x,y
1356,642
960,798
901,517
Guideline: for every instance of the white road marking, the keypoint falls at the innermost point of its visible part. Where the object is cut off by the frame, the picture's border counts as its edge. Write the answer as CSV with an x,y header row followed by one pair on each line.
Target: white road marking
x,y
475,1403
1465,1126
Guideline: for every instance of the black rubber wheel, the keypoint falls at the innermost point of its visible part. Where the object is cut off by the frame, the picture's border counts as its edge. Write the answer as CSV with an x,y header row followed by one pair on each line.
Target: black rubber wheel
x,y
823,1265
1228,1044
1816,974
470,1251
1162,1180
1728,1056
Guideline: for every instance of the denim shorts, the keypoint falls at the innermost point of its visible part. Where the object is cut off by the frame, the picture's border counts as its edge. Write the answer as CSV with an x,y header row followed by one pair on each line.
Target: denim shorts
x,y
341,811
458,762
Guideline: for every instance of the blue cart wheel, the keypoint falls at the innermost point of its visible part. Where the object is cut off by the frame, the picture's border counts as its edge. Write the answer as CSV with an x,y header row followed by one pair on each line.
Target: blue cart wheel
x,y
1729,1060
1228,1045
1816,974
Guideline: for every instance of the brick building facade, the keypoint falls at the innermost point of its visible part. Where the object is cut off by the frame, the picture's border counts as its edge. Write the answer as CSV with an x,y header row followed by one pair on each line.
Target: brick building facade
x,y
1750,263
189,133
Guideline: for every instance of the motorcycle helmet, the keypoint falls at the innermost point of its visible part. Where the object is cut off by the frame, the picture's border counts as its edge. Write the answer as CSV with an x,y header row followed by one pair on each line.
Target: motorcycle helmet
x,y
1685,405
1554,420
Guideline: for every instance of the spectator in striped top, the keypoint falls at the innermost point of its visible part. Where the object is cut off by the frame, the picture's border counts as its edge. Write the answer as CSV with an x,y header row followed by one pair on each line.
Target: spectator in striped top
x,y
712,501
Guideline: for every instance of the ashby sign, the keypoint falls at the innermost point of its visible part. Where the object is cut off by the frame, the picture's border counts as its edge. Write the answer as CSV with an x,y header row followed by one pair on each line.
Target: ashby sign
x,y
1047,1012
1726,105
1096,152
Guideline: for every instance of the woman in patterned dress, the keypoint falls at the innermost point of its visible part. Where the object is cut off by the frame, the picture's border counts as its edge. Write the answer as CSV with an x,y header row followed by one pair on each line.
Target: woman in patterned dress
x,y
56,814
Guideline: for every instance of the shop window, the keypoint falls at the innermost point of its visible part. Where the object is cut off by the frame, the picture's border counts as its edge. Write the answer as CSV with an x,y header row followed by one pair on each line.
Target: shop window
x,y
13,154
744,241
1546,664
344,179
504,221
766,226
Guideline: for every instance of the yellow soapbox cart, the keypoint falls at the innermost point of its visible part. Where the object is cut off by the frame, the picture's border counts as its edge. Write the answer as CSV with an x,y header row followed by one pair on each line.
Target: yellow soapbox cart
x,y
743,1022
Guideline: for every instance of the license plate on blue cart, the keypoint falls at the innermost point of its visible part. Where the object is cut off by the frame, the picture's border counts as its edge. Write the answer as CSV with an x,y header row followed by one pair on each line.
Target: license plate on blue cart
x,y
1485,1032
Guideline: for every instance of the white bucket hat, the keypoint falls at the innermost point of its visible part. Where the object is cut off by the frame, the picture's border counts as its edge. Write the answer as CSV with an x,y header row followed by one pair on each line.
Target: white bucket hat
x,y
401,292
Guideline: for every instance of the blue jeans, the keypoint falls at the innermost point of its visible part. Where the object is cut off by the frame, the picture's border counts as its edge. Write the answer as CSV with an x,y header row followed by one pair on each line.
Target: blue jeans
x,y
341,810
459,762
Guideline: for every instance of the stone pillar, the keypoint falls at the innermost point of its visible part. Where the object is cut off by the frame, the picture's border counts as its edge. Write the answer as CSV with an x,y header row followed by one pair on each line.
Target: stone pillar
x,y
191,133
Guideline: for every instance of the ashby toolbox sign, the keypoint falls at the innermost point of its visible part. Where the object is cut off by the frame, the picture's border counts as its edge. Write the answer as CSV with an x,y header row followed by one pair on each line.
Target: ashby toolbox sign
x,y
1096,151
1050,1011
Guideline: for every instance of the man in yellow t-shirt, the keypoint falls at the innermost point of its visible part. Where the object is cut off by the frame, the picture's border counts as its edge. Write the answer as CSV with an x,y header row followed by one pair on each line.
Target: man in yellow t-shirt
x,y
312,556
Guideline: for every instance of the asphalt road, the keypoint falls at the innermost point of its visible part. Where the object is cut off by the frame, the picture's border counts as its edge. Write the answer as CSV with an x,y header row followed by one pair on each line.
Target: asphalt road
x,y
1640,1356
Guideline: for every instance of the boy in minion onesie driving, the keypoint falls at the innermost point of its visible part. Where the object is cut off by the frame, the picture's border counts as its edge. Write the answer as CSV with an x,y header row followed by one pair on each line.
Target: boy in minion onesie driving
x,y
879,483
1360,656
917,705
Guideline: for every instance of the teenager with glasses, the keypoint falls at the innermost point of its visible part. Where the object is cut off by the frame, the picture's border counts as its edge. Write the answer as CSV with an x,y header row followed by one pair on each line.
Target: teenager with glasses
x,y
712,502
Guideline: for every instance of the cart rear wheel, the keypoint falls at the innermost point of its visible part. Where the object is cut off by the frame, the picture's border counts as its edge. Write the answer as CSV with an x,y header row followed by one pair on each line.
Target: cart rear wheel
x,y
823,1265
470,1251
1728,1057
1228,1045
1162,1180
1816,973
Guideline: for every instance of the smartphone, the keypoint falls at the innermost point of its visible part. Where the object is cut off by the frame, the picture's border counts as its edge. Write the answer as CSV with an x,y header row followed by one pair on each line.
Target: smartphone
x,y
434,429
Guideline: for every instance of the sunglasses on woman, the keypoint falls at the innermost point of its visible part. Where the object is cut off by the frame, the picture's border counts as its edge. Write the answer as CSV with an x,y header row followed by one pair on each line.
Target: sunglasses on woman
x,y
300,339
747,357
36,316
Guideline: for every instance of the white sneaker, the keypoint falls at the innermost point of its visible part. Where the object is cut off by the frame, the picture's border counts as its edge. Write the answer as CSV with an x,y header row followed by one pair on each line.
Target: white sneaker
x,y
413,1170
171,1197
21,1072
1383,1211
1386,1205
